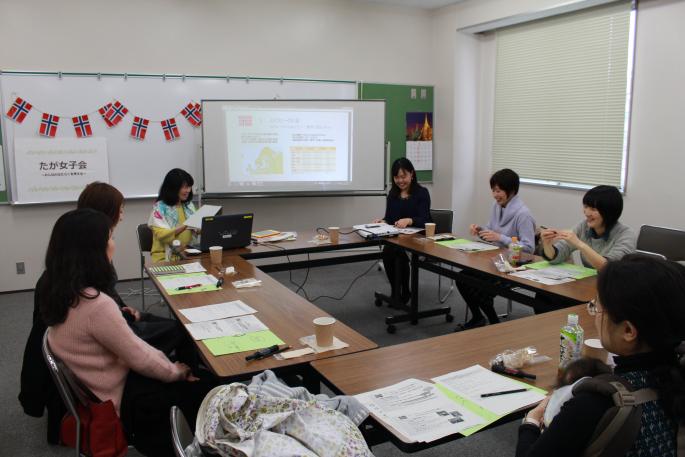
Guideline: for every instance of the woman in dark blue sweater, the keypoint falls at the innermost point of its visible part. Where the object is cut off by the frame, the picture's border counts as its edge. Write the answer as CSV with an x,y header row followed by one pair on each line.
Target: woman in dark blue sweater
x,y
408,204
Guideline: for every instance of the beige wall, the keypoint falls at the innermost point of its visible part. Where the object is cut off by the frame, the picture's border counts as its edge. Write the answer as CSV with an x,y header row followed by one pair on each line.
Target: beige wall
x,y
327,39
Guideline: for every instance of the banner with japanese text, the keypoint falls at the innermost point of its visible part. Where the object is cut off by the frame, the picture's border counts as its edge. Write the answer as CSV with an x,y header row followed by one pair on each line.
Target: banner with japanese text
x,y
57,169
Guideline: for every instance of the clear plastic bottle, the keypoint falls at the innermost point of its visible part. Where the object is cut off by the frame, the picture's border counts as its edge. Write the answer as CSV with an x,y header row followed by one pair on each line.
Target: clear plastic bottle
x,y
175,252
571,341
515,249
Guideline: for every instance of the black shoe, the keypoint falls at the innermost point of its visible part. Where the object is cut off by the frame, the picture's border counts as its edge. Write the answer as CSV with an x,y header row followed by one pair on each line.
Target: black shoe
x,y
473,323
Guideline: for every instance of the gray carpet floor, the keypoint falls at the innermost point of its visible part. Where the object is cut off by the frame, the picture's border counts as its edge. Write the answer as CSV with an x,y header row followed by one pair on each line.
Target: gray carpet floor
x,y
22,435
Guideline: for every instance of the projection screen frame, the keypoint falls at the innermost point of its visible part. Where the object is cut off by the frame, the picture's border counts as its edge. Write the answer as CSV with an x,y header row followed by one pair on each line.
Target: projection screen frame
x,y
298,193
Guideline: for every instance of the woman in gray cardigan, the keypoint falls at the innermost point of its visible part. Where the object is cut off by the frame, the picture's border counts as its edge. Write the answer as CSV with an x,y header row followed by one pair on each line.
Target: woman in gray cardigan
x,y
599,238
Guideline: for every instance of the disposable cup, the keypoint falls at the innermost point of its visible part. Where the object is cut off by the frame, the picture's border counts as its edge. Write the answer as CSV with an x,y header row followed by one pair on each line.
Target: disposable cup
x,y
323,329
430,229
215,254
334,234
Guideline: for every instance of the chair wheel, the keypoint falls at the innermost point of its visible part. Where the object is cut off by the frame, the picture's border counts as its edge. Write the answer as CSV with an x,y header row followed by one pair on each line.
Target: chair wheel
x,y
449,317
391,329
378,302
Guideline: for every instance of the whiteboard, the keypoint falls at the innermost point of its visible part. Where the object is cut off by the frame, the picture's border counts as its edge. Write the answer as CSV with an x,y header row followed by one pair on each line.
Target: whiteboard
x,y
138,167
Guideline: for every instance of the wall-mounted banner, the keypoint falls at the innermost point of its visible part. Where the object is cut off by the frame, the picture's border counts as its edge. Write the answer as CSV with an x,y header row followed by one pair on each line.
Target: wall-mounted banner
x,y
55,170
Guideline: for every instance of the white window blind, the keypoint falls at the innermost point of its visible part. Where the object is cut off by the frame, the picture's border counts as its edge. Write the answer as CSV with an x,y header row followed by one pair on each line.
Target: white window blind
x,y
561,98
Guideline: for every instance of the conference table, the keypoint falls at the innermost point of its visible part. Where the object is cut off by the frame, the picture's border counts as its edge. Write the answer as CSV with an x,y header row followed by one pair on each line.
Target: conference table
x,y
284,312
424,359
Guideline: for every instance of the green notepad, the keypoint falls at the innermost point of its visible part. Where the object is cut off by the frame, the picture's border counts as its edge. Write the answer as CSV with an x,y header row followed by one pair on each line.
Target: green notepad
x,y
169,282
241,343
577,271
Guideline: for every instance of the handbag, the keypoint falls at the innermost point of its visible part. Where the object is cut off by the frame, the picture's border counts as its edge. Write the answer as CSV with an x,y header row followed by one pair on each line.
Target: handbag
x,y
102,433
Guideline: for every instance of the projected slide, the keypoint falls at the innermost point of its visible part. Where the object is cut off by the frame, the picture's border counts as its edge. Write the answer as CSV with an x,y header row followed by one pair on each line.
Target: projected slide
x,y
281,145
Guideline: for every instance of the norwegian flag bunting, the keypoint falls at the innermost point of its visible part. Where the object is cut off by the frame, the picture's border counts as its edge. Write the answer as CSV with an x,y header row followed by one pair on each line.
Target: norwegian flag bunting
x,y
192,114
116,113
170,129
139,128
19,109
103,113
48,125
82,126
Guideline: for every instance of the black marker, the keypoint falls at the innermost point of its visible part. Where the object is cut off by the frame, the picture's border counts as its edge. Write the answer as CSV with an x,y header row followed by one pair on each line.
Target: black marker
x,y
503,392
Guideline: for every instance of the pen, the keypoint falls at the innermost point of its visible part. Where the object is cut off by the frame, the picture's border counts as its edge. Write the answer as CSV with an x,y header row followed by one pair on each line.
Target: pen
x,y
188,287
503,392
266,352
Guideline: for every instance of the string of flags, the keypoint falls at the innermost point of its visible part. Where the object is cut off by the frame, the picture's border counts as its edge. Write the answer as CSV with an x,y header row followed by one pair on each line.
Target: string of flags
x,y
112,114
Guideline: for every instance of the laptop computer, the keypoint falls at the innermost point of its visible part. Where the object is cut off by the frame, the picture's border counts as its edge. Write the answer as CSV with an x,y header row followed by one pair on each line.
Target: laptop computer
x,y
230,231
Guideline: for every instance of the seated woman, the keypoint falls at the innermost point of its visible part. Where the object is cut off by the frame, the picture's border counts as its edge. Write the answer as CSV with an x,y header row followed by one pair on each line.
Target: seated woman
x,y
408,204
639,315
173,206
509,217
89,333
599,238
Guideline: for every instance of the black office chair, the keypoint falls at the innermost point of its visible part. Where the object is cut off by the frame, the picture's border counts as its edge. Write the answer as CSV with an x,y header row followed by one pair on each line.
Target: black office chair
x,y
667,242
144,245
181,434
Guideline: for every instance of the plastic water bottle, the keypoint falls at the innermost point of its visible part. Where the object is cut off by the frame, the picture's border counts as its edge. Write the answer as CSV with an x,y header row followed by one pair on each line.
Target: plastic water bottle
x,y
515,249
175,254
571,341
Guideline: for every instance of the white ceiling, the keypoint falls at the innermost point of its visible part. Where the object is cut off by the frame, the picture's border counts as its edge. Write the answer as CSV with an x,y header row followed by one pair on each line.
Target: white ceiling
x,y
425,4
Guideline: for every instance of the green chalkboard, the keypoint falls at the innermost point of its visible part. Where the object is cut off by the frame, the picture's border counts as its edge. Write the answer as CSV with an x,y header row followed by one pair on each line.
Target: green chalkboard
x,y
400,100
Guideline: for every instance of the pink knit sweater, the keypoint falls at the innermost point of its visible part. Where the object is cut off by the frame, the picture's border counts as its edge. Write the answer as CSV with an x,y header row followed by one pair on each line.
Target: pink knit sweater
x,y
99,347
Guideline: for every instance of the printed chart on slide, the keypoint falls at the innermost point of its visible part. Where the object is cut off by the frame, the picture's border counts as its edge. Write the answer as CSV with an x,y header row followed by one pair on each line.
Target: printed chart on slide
x,y
287,145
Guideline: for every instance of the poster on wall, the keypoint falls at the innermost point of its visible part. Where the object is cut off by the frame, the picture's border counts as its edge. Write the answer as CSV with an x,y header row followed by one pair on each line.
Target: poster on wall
x,y
419,135
56,170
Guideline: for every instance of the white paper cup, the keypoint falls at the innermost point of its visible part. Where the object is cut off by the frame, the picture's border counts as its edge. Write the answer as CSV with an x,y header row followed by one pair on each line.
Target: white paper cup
x,y
323,329
215,254
593,349
430,229
334,234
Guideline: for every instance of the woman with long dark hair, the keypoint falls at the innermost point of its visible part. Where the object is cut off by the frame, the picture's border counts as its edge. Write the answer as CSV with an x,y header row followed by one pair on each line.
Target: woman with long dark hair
x,y
173,206
408,204
640,316
88,333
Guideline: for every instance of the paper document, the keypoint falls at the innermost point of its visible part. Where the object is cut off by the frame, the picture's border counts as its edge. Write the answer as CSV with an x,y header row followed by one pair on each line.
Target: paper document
x,y
225,327
195,267
562,270
311,342
248,342
468,245
188,283
542,278
279,236
410,230
376,230
418,410
195,221
219,311
470,383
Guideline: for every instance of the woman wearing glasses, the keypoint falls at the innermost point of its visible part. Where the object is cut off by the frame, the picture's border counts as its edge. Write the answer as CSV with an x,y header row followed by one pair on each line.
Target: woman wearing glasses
x,y
640,316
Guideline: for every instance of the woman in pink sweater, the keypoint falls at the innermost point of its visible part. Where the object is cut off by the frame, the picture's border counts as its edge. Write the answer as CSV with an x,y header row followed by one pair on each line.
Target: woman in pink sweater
x,y
89,333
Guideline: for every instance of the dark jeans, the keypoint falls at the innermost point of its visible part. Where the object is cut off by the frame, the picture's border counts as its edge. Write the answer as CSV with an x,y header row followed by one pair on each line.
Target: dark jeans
x,y
395,261
478,298
145,408
168,336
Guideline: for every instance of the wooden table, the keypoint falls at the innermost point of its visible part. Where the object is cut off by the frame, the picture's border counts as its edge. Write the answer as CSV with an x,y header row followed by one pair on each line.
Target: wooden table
x,y
427,254
428,358
287,314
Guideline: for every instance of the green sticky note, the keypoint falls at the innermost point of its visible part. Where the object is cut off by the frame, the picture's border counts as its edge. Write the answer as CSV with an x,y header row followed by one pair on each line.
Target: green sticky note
x,y
577,271
241,343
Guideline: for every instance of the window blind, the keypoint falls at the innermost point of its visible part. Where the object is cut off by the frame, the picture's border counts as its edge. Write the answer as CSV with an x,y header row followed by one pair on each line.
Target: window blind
x,y
561,97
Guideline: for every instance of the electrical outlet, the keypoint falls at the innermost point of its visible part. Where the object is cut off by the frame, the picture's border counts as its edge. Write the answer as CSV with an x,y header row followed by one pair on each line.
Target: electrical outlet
x,y
21,268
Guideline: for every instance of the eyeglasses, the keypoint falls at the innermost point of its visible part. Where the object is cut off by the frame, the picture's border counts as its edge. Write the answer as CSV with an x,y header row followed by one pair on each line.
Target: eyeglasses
x,y
592,308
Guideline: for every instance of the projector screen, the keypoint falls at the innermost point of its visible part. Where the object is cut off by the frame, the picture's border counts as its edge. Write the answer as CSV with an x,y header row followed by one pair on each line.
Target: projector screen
x,y
293,147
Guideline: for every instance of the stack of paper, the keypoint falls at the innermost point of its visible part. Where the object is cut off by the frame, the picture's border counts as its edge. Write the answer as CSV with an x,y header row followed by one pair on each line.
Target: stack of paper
x,y
242,343
219,311
468,245
376,230
195,221
546,273
188,283
244,283
278,236
225,327
424,412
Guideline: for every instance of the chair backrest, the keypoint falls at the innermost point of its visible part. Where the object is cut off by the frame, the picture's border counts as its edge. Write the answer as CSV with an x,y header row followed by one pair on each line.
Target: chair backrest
x,y
660,240
442,219
181,434
144,238
59,371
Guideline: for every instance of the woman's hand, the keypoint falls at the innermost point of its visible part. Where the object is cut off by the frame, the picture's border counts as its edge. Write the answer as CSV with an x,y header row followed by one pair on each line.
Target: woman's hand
x,y
403,223
186,373
180,229
378,221
538,413
548,236
569,236
474,229
133,312
489,235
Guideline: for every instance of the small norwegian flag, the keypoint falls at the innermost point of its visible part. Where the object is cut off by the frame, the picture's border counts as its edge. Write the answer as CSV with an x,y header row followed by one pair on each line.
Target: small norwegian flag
x,y
192,114
19,109
170,129
48,125
103,113
116,113
139,128
82,126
